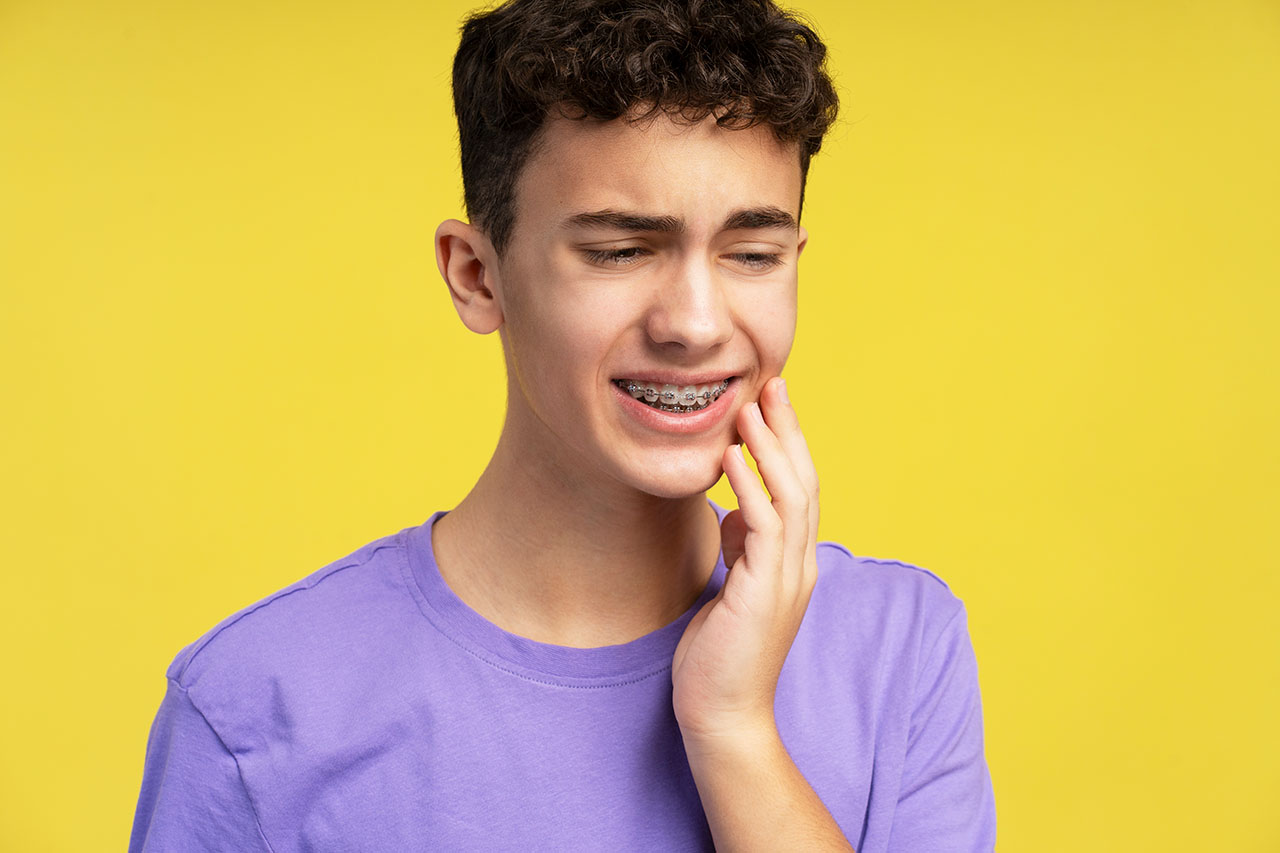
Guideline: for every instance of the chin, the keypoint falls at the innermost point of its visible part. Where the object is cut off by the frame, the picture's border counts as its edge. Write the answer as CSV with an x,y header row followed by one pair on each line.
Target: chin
x,y
682,482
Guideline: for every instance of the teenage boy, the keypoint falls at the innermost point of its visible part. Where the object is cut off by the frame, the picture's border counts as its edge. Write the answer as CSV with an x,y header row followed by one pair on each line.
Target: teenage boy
x,y
586,653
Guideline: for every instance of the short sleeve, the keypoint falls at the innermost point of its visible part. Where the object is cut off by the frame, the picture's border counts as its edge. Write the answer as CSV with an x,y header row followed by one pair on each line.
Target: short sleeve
x,y
193,797
946,802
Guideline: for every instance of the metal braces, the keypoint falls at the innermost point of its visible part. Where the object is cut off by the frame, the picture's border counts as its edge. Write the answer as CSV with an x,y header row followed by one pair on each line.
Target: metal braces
x,y
670,397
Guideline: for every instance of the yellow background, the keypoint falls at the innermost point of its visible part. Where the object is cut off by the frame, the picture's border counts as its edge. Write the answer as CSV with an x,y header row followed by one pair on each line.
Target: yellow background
x,y
1036,354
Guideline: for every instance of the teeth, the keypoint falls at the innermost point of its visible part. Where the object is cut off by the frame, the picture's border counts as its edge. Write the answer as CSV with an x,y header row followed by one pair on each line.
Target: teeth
x,y
674,398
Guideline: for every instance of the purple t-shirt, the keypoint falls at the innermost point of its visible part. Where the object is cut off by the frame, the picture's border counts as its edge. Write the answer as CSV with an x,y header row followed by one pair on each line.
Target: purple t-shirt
x,y
367,707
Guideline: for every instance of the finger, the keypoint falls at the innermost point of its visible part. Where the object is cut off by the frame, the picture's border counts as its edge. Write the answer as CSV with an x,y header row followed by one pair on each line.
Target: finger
x,y
733,536
763,542
781,418
790,498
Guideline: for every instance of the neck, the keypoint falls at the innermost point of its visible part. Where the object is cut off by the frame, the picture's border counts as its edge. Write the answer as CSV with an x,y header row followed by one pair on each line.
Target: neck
x,y
574,563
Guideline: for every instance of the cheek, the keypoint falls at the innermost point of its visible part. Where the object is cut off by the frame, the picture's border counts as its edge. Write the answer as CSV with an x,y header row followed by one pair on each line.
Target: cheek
x,y
780,347
771,323
567,350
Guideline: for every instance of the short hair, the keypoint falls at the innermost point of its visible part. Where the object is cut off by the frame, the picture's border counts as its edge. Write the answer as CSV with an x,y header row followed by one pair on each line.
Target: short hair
x,y
745,61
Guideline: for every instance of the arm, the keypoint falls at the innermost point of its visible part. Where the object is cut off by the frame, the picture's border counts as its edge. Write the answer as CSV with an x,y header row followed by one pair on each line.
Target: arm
x,y
192,798
755,798
945,800
726,666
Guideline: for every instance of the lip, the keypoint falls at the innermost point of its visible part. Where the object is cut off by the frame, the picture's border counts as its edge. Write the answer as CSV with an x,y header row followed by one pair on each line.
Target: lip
x,y
670,377
676,423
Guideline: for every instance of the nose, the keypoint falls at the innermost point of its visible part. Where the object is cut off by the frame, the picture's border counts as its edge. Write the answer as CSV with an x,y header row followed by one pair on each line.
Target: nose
x,y
691,308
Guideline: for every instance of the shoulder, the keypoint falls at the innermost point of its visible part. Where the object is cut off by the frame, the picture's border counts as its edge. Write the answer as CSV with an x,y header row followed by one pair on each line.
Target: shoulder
x,y
295,625
887,580
883,597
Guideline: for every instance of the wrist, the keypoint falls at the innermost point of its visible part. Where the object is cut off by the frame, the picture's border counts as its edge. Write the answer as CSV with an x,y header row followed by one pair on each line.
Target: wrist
x,y
745,741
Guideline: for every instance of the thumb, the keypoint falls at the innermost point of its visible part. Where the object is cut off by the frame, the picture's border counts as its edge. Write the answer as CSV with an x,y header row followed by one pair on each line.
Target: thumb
x,y
733,537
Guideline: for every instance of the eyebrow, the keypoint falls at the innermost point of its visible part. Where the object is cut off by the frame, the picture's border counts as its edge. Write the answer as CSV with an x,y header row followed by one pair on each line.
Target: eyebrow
x,y
619,221
760,217
749,218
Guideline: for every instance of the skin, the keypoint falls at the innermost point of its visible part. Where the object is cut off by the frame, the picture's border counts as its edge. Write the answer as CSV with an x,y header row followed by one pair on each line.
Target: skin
x,y
586,528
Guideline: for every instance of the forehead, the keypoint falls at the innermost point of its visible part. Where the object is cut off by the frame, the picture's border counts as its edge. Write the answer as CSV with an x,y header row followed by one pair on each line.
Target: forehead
x,y
698,172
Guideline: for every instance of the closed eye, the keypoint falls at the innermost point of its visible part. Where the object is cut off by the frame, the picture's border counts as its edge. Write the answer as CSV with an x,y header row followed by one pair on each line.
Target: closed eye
x,y
757,260
615,257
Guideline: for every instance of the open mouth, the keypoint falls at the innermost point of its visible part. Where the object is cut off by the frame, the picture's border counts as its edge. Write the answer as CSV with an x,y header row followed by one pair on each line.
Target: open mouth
x,y
679,399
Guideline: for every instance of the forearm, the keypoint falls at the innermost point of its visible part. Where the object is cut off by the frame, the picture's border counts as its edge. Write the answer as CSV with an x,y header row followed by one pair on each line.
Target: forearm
x,y
756,799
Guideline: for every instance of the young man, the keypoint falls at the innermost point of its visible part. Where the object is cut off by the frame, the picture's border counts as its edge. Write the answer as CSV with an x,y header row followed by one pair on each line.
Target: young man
x,y
586,653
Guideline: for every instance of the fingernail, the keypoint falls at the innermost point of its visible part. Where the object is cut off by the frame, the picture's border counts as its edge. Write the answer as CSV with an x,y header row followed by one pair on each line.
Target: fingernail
x,y
782,391
754,411
737,448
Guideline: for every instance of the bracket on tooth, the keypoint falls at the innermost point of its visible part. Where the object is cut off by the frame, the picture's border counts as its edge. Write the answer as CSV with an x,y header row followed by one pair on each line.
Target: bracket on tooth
x,y
669,397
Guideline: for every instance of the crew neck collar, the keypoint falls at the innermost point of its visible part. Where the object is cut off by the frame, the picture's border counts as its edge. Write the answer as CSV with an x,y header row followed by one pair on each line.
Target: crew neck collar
x,y
643,657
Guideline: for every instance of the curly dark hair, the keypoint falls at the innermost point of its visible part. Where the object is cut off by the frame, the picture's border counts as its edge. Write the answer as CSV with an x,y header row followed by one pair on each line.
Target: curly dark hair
x,y
745,61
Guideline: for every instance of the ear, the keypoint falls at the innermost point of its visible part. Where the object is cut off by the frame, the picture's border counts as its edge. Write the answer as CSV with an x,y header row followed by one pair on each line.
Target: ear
x,y
468,264
804,241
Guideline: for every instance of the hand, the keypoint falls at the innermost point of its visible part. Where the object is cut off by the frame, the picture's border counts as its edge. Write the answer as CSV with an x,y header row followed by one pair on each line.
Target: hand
x,y
726,666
